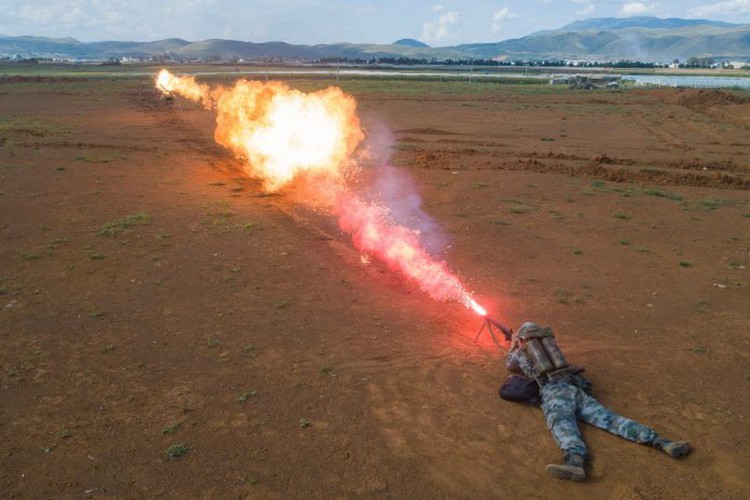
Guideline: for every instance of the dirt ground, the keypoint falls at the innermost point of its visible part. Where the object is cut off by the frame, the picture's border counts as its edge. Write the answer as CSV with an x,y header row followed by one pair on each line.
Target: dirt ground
x,y
151,296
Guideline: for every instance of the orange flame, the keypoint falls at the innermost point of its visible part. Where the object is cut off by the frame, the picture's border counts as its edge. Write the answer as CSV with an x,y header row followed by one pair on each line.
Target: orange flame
x,y
186,86
281,132
284,133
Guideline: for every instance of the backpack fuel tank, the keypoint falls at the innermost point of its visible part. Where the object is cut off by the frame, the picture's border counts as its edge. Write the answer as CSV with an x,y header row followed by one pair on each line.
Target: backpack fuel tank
x,y
542,351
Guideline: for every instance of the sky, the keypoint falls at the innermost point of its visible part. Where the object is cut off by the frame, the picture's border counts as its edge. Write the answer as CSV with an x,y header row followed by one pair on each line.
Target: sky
x,y
438,23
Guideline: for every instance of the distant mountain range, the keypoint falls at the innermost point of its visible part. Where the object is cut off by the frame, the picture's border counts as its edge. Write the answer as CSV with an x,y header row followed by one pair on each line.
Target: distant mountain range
x,y
634,38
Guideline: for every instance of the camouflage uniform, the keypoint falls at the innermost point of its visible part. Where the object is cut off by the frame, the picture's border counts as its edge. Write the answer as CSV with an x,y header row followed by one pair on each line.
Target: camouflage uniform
x,y
566,400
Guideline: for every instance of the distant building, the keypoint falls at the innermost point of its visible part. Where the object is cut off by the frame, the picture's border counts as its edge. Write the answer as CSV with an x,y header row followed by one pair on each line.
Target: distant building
x,y
737,64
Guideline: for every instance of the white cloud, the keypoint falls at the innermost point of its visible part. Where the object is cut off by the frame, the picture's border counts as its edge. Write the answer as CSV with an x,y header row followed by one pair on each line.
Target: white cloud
x,y
97,19
725,7
437,8
34,14
499,17
587,10
637,8
434,31
590,7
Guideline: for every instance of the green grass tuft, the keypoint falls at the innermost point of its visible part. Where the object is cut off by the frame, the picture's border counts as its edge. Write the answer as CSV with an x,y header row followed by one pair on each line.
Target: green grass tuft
x,y
661,194
29,256
246,395
115,227
519,209
176,450
714,204
171,428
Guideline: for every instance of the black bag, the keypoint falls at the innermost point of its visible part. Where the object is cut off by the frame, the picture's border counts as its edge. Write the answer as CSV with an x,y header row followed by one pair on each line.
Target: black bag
x,y
516,388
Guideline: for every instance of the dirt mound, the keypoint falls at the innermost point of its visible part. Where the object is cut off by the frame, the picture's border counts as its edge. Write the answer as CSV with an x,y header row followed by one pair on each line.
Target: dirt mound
x,y
655,176
427,131
706,98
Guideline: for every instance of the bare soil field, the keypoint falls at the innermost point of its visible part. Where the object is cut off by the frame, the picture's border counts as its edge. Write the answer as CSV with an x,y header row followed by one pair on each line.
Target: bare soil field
x,y
169,330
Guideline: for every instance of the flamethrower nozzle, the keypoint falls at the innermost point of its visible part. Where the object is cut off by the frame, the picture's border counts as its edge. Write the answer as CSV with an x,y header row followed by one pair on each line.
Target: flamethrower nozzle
x,y
489,323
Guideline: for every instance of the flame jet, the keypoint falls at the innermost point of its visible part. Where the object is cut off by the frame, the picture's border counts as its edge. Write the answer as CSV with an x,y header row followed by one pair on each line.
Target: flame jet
x,y
284,134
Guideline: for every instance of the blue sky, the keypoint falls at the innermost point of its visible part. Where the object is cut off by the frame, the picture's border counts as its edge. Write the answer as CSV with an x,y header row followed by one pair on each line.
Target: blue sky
x,y
438,23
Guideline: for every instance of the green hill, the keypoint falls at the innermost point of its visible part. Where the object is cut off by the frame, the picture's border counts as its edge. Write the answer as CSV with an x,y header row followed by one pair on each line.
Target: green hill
x,y
636,38
640,38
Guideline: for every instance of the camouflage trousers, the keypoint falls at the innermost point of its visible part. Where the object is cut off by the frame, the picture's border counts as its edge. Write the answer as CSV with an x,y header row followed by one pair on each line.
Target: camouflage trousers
x,y
563,404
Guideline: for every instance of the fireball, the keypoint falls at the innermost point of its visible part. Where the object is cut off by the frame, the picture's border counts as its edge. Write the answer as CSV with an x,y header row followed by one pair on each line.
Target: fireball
x,y
283,132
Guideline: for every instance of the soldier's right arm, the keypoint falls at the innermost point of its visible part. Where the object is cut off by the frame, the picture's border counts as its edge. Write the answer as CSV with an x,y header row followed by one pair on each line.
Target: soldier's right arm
x,y
512,362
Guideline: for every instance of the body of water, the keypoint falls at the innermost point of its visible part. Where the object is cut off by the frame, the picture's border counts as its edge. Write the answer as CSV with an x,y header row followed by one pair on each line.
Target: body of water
x,y
709,82
699,82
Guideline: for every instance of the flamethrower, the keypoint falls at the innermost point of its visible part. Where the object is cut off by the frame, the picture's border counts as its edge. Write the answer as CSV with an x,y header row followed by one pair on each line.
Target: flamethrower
x,y
488,324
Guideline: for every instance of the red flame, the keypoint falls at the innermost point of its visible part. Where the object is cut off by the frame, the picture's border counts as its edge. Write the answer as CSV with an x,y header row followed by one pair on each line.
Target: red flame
x,y
400,248
284,134
476,307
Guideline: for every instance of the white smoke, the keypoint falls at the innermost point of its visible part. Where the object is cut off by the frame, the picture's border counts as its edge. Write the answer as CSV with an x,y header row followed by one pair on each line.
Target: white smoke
x,y
394,189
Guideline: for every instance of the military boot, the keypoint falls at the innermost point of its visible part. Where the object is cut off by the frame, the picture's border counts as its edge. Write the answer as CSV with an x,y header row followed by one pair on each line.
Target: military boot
x,y
674,449
572,469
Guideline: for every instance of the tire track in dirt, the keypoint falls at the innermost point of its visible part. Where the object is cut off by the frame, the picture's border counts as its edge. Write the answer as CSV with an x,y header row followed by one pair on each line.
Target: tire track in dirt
x,y
724,175
168,118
